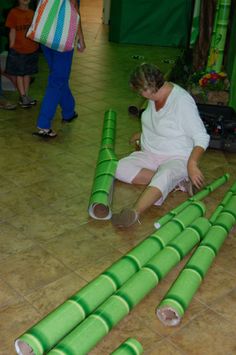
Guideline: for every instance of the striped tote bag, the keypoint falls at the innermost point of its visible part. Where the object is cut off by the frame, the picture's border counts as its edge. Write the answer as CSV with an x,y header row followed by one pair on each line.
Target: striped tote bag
x,y
55,24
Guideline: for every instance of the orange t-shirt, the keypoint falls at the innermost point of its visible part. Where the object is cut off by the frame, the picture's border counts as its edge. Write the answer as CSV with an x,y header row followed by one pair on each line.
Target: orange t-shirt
x,y
21,20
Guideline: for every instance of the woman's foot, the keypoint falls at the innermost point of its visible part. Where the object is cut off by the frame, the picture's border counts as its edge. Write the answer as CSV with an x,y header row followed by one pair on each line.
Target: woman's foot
x,y
67,120
45,133
126,218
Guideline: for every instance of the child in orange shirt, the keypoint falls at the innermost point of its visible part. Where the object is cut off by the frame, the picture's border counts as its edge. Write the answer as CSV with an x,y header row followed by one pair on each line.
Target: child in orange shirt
x,y
22,60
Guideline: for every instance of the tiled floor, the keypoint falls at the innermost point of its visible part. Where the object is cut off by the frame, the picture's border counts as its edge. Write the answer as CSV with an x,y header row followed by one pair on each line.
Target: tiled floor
x,y
50,248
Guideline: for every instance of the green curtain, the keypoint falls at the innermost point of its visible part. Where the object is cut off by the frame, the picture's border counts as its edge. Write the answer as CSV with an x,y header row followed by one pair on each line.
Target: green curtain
x,y
151,22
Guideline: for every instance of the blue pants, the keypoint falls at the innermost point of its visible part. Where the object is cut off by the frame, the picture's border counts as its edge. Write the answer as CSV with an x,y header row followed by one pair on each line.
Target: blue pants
x,y
57,91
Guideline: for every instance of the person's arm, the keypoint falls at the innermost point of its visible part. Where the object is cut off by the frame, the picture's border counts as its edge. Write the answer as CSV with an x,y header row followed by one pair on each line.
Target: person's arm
x,y
194,172
12,37
194,129
81,43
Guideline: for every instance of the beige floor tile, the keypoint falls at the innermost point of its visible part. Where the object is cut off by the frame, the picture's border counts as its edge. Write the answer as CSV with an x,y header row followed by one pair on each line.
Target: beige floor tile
x,y
8,296
209,334
131,326
225,306
24,315
91,270
164,347
214,286
49,245
31,269
12,241
43,224
77,248
47,298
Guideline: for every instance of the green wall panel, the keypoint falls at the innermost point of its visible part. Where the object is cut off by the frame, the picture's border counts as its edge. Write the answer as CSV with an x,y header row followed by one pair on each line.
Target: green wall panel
x,y
151,22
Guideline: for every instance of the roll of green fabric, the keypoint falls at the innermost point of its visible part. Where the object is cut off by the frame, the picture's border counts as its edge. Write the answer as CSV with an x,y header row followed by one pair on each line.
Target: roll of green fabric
x,y
130,347
86,335
101,193
197,197
172,308
45,334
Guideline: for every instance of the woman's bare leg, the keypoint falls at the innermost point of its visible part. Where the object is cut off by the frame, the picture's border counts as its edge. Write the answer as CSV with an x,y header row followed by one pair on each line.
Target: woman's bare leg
x,y
129,216
143,177
149,196
20,85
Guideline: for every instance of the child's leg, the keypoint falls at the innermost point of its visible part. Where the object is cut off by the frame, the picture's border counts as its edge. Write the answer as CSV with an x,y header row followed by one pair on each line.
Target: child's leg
x,y
26,83
20,85
23,83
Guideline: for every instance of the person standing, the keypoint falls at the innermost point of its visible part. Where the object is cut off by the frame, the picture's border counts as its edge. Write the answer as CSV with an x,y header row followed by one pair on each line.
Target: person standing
x,y
58,91
22,59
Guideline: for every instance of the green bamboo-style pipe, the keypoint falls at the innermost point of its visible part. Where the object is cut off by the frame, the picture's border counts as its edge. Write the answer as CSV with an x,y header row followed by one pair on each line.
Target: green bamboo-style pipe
x,y
172,308
195,22
221,22
68,315
213,34
102,188
130,347
85,336
46,333
197,197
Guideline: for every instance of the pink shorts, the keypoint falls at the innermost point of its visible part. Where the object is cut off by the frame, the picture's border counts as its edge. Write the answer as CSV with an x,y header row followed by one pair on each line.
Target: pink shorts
x,y
170,171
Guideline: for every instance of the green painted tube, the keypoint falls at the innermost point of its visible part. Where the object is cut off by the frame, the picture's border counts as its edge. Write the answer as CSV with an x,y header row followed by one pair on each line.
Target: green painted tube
x,y
84,337
195,22
46,333
176,301
213,35
221,21
109,130
197,197
130,347
101,193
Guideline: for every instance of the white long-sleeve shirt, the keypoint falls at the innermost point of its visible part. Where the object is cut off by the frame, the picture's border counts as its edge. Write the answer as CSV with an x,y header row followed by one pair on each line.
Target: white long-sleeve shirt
x,y
176,128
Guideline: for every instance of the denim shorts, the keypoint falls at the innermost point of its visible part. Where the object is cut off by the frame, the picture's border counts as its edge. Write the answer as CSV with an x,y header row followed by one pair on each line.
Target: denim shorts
x,y
21,64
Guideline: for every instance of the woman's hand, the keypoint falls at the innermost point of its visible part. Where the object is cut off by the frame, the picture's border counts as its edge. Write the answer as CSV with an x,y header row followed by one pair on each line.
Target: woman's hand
x,y
135,140
195,174
135,137
81,45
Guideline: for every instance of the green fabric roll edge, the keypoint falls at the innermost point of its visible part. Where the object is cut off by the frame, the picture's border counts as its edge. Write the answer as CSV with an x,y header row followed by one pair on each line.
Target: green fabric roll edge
x,y
172,308
102,188
51,329
86,335
130,347
197,197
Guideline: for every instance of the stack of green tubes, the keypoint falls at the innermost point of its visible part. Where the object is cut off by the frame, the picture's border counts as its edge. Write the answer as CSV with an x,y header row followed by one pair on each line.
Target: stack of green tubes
x,y
172,308
51,329
46,333
197,197
101,194
218,39
130,347
86,335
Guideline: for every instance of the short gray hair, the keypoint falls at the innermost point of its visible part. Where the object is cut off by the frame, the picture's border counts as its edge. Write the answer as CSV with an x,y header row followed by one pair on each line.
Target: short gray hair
x,y
146,77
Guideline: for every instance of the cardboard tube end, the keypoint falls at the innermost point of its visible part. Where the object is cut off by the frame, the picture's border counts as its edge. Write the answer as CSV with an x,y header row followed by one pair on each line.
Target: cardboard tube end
x,y
22,348
168,316
100,211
